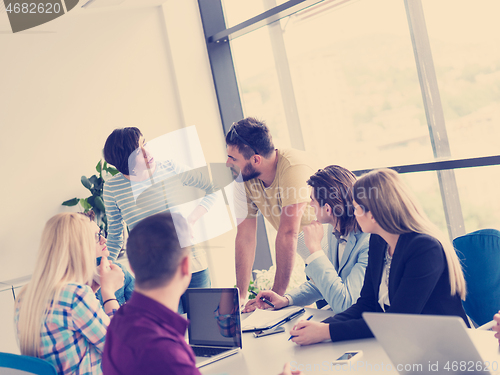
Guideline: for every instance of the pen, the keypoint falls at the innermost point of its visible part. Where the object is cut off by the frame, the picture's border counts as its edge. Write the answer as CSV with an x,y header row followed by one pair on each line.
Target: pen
x,y
291,337
287,319
263,299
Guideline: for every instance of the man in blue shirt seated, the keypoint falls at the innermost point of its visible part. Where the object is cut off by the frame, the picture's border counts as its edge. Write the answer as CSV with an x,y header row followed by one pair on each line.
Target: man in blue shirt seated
x,y
337,274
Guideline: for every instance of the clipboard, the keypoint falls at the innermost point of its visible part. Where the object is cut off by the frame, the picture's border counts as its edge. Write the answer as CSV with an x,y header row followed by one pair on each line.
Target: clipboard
x,y
270,319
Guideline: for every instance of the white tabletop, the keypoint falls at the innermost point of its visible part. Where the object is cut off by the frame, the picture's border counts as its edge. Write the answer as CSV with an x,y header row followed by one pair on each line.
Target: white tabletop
x,y
267,355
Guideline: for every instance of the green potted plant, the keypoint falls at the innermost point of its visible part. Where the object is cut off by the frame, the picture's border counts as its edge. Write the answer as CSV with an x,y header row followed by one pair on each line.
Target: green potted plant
x,y
95,185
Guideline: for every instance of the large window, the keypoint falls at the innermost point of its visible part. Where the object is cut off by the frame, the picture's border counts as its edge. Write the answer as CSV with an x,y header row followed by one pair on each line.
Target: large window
x,y
369,84
465,41
354,79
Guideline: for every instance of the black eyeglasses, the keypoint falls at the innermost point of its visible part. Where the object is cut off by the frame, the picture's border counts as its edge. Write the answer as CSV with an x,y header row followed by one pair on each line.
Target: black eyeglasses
x,y
98,236
233,133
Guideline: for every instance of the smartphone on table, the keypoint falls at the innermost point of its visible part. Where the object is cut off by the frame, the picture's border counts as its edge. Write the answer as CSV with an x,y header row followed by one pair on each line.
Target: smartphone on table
x,y
349,356
268,332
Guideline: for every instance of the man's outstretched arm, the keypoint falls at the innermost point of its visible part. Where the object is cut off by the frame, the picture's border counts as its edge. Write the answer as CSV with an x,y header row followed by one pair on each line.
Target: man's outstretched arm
x,y
286,244
245,253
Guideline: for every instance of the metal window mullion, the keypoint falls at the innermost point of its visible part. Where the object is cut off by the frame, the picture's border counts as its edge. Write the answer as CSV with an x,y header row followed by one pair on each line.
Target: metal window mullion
x,y
482,161
221,63
272,14
285,81
228,98
434,115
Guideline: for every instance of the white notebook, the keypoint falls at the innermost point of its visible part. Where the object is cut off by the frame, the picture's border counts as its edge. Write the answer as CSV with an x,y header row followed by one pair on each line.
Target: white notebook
x,y
266,319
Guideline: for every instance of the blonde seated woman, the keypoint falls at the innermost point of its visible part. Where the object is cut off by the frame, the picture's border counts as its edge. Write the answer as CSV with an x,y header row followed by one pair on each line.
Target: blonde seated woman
x,y
58,316
412,267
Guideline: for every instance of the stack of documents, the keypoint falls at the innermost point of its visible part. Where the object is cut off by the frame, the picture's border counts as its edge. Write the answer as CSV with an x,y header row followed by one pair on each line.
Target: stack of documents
x,y
267,319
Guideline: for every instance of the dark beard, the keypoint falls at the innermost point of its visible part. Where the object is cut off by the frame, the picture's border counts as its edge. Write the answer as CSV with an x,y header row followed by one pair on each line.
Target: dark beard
x,y
235,172
249,172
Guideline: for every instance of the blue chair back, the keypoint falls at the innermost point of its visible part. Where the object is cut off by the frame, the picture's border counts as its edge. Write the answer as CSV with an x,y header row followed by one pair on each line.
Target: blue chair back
x,y
13,364
479,253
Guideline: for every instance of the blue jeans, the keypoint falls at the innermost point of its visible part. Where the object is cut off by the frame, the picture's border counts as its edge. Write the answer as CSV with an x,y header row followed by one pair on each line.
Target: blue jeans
x,y
198,280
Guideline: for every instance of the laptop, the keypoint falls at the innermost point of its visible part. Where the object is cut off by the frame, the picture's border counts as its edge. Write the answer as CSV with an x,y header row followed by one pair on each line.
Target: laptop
x,y
424,344
214,323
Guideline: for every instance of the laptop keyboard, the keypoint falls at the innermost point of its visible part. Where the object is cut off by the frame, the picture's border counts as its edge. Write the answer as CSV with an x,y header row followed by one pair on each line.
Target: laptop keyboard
x,y
200,351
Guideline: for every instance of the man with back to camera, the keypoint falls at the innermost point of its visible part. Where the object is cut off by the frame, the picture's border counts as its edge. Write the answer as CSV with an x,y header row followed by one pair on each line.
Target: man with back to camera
x,y
275,184
146,336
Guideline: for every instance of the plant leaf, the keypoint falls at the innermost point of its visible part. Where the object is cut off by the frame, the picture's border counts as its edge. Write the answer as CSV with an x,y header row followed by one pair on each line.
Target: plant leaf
x,y
93,180
86,206
99,185
71,202
99,204
111,170
98,167
86,182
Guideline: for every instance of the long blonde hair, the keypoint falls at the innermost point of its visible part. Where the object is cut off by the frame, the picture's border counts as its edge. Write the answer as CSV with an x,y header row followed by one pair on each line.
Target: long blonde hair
x,y
66,254
397,211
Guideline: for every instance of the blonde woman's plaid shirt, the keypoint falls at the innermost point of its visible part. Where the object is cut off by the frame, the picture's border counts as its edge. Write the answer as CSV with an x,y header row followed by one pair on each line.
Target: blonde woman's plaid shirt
x,y
73,334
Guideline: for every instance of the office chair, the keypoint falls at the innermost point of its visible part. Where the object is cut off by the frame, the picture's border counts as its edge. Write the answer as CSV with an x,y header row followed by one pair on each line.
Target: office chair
x,y
479,253
14,364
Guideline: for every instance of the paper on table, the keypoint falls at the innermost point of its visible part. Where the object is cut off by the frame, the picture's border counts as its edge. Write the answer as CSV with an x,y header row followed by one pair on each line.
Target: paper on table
x,y
262,319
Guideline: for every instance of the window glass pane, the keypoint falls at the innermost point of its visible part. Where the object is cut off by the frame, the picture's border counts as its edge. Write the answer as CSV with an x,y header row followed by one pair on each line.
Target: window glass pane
x,y
237,11
465,42
357,91
354,80
258,83
478,190
425,186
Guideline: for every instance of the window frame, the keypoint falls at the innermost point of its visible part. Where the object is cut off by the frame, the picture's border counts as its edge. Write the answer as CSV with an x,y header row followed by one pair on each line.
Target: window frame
x,y
218,37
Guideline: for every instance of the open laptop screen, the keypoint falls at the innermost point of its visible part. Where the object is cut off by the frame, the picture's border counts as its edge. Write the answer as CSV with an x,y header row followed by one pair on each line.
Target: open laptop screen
x,y
214,316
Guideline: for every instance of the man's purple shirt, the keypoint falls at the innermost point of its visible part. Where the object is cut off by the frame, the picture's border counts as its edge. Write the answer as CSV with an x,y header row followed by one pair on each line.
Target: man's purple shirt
x,y
145,337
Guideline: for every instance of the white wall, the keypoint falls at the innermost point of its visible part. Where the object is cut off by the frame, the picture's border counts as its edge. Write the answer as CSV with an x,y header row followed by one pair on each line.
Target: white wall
x,y
198,101
62,93
66,85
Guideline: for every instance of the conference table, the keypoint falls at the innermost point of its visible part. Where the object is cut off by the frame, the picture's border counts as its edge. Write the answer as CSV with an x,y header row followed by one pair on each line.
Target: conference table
x,y
267,355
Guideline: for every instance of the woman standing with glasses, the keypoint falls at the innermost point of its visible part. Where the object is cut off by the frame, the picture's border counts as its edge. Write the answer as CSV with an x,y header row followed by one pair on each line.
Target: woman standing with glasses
x,y
57,315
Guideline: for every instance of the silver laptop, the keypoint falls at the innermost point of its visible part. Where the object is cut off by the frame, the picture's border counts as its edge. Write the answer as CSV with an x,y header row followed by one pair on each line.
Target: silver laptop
x,y
214,323
425,344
